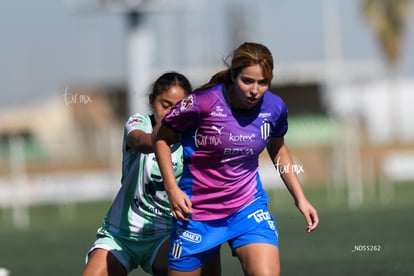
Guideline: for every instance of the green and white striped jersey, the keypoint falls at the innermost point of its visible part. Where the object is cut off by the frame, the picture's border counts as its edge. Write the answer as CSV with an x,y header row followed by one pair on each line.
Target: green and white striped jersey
x,y
141,206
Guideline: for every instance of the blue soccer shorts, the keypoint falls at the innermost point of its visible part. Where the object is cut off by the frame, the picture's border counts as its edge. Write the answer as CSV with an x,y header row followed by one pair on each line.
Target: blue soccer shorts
x,y
195,242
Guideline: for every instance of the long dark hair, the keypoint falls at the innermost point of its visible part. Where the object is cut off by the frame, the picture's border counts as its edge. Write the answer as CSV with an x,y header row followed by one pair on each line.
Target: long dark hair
x,y
167,80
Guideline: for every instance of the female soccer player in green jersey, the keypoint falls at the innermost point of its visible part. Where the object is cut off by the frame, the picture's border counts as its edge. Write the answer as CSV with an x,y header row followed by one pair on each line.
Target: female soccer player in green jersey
x,y
137,227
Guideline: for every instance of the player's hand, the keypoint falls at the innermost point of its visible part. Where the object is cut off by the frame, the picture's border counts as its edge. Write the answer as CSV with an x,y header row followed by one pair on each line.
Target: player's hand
x,y
310,214
180,204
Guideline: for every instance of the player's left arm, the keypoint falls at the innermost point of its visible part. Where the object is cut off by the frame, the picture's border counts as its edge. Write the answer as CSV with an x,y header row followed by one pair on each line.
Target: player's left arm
x,y
281,158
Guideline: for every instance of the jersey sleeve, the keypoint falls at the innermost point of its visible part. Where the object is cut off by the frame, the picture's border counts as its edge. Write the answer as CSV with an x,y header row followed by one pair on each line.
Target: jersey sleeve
x,y
184,115
136,122
281,126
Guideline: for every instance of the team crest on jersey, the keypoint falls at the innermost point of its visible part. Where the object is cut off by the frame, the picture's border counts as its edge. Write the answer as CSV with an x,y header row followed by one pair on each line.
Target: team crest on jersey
x,y
134,120
187,103
265,129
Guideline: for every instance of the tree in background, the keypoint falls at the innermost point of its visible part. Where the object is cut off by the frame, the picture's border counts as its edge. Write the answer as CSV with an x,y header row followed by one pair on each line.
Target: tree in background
x,y
388,19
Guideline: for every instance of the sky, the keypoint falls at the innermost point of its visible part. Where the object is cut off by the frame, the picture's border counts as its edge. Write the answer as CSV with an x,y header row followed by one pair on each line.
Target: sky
x,y
46,45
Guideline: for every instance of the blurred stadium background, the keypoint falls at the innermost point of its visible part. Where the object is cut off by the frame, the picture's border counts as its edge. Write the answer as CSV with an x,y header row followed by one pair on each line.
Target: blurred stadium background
x,y
72,71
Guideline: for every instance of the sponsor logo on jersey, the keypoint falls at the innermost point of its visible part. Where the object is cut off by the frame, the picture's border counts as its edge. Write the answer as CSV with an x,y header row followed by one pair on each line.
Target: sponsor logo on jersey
x,y
241,138
265,115
216,128
219,112
149,208
189,236
187,103
238,151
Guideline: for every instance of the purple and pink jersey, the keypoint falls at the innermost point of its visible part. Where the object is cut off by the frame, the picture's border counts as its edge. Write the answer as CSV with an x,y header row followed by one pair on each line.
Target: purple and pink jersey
x,y
222,148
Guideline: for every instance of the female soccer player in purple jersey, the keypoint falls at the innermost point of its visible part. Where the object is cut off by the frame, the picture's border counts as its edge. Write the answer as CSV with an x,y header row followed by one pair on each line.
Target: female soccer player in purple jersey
x,y
137,227
223,128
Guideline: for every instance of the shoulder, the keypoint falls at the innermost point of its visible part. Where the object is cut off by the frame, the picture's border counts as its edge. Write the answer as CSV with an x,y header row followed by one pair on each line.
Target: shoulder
x,y
210,96
138,121
273,97
138,118
208,92
274,101
200,100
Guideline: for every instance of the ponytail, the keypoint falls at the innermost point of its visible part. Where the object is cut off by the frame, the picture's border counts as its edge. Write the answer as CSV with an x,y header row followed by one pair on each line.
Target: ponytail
x,y
247,54
223,76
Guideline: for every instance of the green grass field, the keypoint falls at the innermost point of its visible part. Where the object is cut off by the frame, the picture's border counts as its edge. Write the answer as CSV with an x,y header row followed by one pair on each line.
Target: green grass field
x,y
59,237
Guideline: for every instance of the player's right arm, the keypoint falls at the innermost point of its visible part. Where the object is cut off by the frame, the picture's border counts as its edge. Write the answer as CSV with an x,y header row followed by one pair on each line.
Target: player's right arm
x,y
140,141
179,202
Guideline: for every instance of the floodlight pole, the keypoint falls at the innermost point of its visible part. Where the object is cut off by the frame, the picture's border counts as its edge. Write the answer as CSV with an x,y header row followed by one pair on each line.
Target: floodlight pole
x,y
349,148
140,43
19,181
